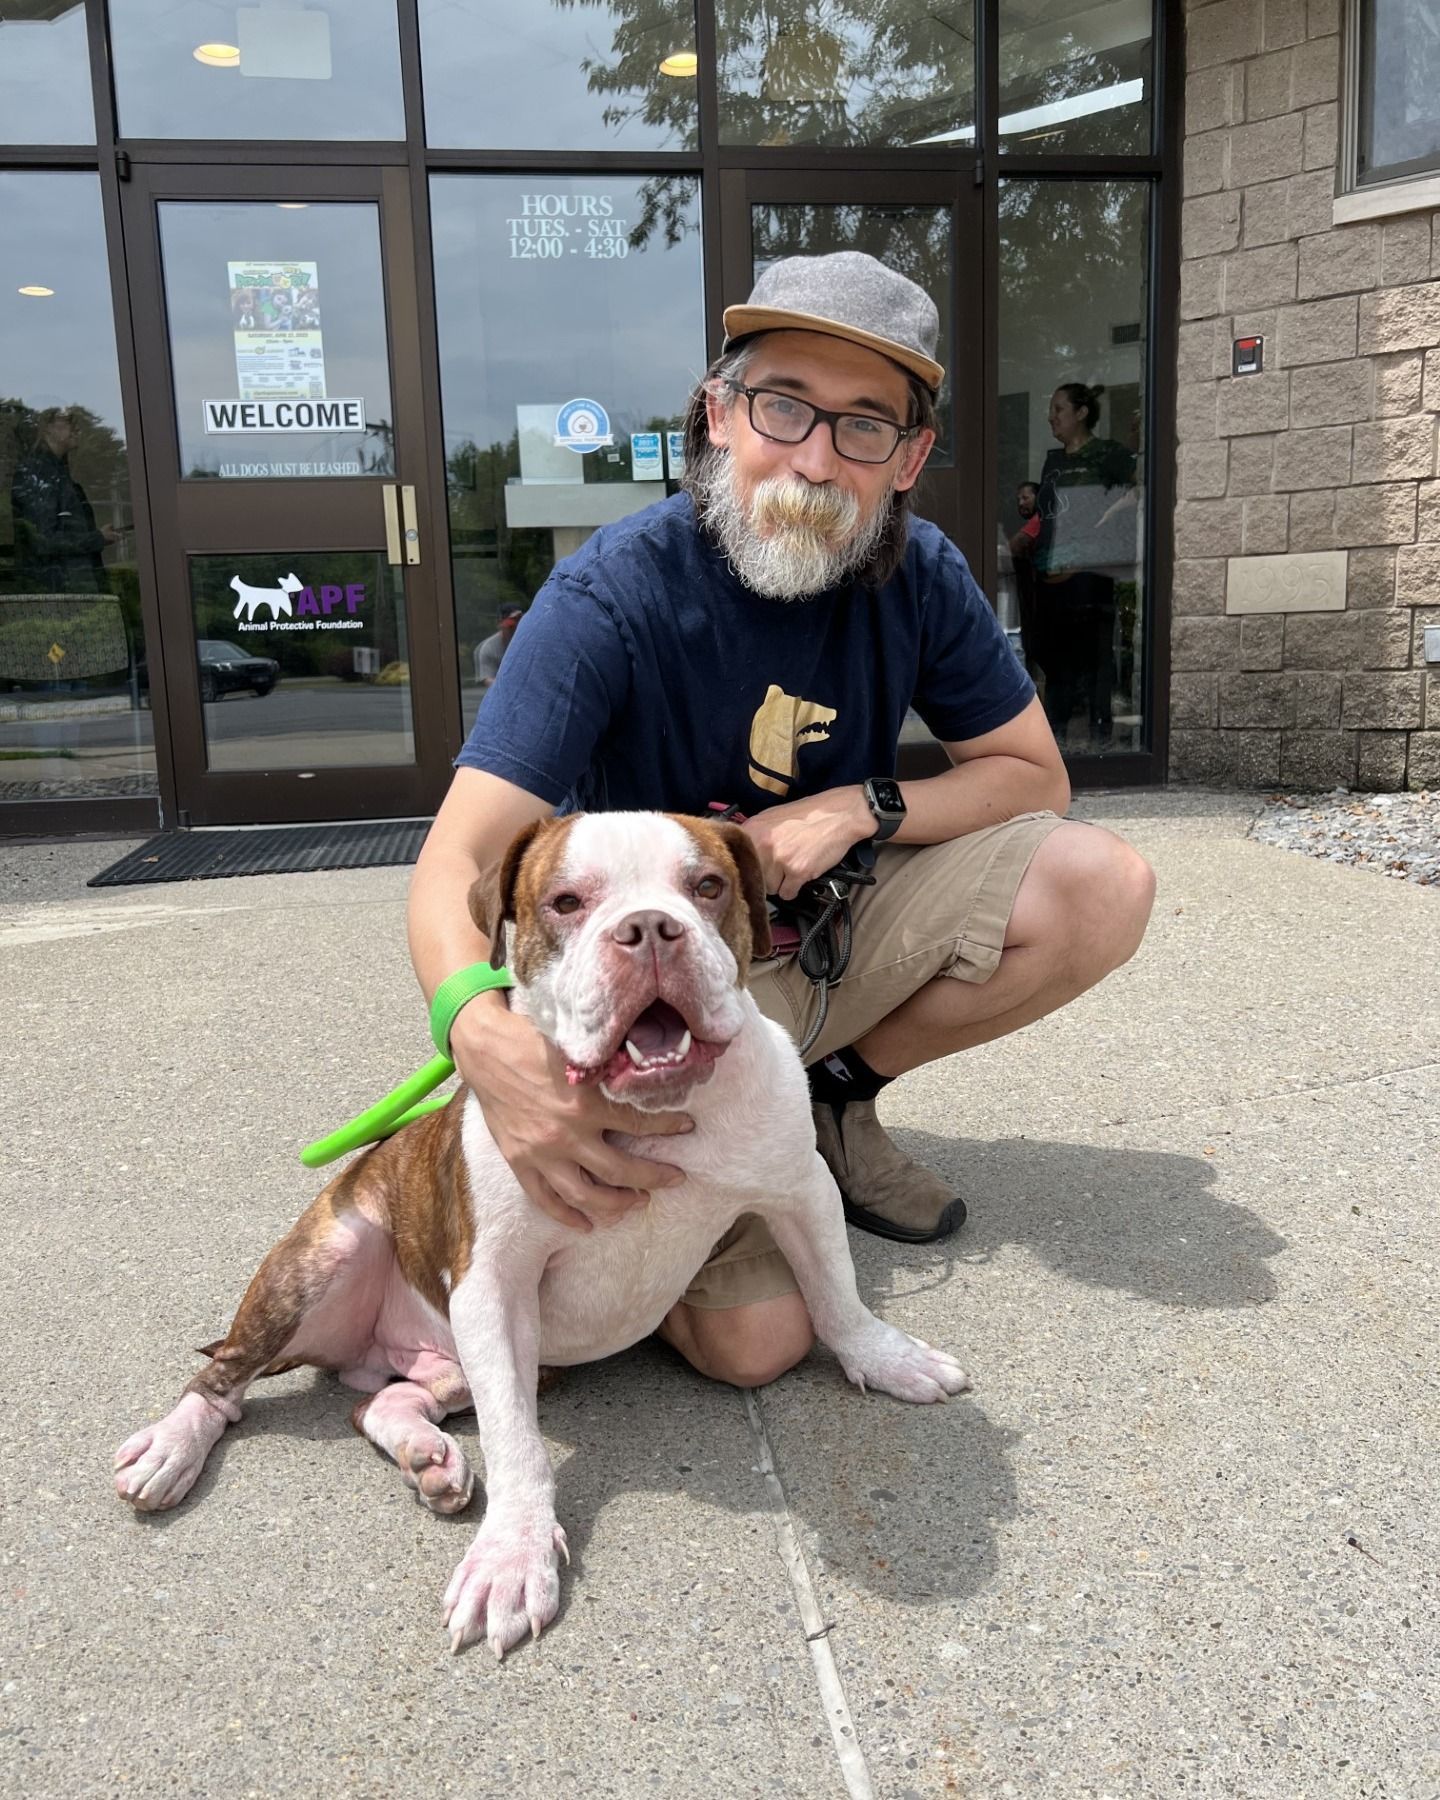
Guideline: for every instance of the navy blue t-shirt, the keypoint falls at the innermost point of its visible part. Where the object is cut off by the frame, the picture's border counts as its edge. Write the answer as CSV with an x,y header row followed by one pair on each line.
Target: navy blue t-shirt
x,y
647,676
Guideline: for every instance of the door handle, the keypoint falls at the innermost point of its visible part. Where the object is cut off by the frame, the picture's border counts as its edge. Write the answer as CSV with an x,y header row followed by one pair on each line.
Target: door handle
x,y
412,529
392,522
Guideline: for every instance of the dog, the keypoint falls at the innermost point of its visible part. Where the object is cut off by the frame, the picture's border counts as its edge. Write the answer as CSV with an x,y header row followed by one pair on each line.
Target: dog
x,y
423,1275
276,598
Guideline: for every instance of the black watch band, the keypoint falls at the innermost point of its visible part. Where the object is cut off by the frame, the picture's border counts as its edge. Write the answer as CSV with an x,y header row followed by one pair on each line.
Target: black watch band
x,y
887,806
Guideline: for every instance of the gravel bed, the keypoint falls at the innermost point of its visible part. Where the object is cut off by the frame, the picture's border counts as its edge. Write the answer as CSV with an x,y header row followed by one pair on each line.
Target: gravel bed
x,y
1396,834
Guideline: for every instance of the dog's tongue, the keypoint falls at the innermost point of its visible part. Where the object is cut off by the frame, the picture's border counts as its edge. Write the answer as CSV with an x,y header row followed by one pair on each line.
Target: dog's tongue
x,y
657,1029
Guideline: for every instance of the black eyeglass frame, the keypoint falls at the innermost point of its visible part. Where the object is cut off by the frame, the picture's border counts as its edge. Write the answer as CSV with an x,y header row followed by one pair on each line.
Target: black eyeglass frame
x,y
822,416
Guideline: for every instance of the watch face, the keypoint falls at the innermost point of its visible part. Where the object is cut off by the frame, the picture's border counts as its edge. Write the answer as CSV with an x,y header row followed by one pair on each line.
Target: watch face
x,y
887,795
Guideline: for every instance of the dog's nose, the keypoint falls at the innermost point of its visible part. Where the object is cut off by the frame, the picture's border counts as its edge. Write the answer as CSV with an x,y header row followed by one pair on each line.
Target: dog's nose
x,y
651,929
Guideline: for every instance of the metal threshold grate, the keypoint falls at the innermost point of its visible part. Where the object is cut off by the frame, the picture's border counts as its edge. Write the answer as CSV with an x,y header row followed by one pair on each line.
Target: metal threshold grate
x,y
281,850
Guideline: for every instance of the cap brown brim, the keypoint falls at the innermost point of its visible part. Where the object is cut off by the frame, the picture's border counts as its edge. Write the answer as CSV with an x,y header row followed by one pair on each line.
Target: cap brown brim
x,y
745,321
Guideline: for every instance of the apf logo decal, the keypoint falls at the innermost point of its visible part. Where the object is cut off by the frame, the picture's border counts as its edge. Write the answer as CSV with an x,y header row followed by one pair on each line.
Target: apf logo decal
x,y
306,608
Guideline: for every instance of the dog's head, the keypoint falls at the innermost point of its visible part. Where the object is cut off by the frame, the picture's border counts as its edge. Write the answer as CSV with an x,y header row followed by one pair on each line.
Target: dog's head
x,y
630,935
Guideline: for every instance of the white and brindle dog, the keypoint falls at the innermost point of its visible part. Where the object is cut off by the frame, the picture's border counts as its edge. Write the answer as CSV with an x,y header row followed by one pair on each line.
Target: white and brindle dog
x,y
426,1278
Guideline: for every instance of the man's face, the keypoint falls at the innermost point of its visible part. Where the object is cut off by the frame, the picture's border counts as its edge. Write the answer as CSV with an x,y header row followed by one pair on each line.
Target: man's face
x,y
808,492
1025,501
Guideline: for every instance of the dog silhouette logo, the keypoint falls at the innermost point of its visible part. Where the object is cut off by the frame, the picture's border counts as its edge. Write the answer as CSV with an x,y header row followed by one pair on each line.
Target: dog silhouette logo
x,y
276,598
783,725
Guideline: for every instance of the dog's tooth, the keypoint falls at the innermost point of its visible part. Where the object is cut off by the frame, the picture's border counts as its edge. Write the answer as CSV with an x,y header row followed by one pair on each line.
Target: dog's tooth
x,y
635,1056
683,1048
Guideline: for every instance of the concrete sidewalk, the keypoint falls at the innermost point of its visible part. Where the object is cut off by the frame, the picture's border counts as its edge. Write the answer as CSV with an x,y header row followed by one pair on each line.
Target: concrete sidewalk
x,y
1182,1541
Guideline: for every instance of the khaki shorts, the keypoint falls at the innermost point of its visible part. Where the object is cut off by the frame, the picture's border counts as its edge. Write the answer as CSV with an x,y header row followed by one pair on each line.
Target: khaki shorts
x,y
935,909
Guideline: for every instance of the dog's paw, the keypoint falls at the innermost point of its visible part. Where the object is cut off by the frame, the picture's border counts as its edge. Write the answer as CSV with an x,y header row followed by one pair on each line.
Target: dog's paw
x,y
434,1465
892,1362
508,1583
157,1467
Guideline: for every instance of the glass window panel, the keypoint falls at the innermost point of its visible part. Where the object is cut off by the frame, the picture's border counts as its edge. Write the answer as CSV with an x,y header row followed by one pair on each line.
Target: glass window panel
x,y
843,73
74,704
1399,89
913,240
545,75
1075,77
274,69
552,289
302,660
1072,372
276,316
44,73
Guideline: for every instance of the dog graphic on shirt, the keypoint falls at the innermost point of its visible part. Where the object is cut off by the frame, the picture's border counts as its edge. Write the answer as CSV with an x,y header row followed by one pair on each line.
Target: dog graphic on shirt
x,y
781,728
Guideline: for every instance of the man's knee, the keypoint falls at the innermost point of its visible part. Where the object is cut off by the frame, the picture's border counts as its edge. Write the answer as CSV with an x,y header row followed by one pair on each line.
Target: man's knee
x,y
744,1345
1092,888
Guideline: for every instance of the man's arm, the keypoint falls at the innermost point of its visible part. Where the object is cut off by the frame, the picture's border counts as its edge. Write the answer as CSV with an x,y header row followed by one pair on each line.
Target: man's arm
x,y
1017,768
551,1134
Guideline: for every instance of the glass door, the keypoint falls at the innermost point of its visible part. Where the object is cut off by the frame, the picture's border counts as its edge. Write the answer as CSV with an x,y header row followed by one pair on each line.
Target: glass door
x,y
294,543
927,226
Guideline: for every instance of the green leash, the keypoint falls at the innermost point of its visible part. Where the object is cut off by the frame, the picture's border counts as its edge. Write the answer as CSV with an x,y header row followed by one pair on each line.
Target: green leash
x,y
408,1102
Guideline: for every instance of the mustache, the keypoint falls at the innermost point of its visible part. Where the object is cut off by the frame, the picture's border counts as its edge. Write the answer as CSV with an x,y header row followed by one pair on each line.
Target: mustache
x,y
783,504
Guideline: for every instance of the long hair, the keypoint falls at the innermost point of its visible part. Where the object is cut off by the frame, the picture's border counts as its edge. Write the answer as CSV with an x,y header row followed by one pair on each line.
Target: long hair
x,y
701,455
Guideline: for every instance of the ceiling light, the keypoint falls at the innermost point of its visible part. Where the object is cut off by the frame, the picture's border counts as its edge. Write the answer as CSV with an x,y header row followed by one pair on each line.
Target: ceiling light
x,y
292,205
680,62
217,56
38,293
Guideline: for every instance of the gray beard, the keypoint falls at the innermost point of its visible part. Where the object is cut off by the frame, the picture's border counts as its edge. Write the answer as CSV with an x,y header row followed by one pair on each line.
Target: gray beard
x,y
811,542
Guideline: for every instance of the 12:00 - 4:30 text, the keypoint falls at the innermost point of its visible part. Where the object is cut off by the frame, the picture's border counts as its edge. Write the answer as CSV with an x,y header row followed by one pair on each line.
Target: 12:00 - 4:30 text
x,y
528,249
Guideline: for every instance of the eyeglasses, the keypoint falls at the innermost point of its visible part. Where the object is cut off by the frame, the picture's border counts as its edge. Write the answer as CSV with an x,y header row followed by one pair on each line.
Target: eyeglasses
x,y
856,436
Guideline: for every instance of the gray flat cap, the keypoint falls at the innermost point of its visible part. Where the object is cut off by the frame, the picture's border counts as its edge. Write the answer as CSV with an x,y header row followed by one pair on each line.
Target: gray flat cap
x,y
846,295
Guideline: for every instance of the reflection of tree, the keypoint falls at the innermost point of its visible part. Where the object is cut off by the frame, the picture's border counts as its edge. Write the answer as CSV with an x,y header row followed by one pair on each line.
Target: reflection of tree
x,y
1068,237
845,72
475,481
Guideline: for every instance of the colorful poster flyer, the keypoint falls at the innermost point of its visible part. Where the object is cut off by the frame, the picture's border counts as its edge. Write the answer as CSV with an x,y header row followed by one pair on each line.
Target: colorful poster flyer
x,y
275,315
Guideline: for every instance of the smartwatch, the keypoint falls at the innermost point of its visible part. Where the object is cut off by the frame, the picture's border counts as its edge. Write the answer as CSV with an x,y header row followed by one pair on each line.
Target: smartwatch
x,y
883,797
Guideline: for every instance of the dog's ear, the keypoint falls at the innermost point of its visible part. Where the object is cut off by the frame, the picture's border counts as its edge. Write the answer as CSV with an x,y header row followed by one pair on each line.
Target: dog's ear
x,y
492,898
752,886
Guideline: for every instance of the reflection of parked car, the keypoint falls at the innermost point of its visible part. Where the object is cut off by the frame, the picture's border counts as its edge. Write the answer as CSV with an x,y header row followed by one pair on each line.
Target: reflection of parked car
x,y
225,667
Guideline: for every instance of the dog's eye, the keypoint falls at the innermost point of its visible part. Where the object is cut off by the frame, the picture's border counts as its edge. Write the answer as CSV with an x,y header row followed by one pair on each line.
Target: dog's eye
x,y
565,903
709,887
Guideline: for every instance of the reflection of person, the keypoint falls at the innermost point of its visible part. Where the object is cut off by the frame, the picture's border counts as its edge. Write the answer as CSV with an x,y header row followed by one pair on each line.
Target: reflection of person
x,y
1086,507
57,544
491,650
1021,545
758,639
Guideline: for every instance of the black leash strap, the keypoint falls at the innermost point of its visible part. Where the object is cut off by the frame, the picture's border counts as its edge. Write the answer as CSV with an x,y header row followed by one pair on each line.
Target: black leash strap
x,y
821,914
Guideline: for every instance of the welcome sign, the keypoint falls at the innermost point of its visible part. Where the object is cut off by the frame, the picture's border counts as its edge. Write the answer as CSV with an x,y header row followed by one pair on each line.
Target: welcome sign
x,y
224,416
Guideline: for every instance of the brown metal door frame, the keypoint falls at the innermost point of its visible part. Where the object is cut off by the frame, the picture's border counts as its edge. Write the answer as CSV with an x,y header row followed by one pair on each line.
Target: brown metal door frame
x,y
191,518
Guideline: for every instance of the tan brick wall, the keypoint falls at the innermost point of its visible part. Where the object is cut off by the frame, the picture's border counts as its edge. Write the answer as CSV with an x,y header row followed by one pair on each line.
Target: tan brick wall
x,y
1334,447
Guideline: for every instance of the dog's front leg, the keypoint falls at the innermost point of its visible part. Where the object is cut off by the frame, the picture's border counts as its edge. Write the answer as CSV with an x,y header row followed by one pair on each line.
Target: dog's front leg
x,y
809,1228
509,1580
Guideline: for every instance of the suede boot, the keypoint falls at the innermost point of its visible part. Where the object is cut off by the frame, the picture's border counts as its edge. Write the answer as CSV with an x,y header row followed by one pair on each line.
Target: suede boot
x,y
884,1192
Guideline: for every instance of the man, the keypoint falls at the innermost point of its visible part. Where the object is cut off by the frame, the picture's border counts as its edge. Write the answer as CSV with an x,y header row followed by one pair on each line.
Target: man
x,y
758,640
490,652
58,547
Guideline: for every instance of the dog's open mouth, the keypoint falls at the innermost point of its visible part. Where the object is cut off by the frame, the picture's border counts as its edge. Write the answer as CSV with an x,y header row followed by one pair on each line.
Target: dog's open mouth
x,y
658,1046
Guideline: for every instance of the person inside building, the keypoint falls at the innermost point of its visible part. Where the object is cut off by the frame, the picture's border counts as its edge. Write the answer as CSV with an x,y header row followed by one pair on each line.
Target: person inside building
x,y
490,651
1021,544
1086,538
58,547
757,639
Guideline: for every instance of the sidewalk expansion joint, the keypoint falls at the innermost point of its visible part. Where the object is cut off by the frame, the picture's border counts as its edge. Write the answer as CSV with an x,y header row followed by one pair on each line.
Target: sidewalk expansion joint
x,y
853,1769
1232,1101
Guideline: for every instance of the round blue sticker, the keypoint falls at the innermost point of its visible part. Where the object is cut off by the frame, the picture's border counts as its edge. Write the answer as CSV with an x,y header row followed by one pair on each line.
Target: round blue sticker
x,y
582,426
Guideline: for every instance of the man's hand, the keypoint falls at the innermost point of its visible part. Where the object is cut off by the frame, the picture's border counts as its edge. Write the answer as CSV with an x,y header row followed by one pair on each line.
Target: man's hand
x,y
804,838
555,1137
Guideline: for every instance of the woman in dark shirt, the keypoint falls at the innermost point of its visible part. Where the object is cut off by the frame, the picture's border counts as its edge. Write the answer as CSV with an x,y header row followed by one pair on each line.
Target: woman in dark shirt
x,y
1087,533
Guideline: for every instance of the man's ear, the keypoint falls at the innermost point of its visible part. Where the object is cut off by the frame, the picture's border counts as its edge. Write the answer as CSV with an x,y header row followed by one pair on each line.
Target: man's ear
x,y
719,405
752,886
492,897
